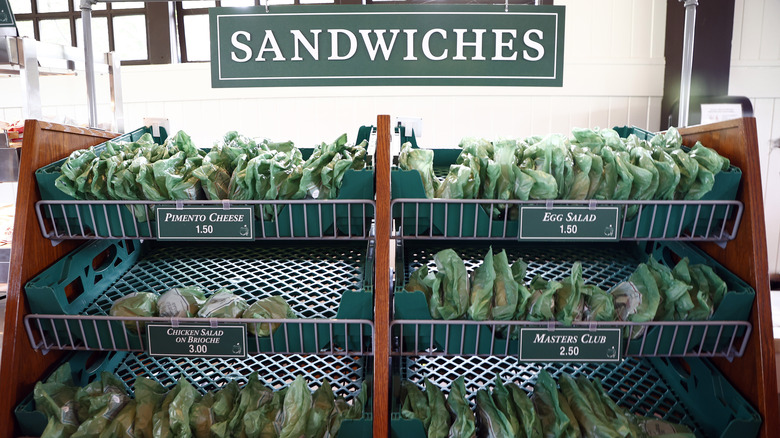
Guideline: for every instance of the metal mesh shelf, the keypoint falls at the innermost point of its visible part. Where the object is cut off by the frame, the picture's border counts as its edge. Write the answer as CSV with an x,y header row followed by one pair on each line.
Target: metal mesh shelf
x,y
649,387
328,286
345,373
312,279
638,220
291,220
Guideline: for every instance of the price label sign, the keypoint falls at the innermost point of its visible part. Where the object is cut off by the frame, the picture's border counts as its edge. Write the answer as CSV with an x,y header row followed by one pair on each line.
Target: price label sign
x,y
569,223
570,345
196,340
203,223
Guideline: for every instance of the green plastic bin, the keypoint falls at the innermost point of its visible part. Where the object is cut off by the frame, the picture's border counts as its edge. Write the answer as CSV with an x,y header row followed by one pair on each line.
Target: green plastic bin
x,y
287,221
682,217
472,220
604,265
346,374
690,392
318,279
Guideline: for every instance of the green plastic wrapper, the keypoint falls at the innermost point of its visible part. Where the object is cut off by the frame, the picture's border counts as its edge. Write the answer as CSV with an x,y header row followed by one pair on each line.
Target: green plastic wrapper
x,y
555,421
596,175
638,298
439,426
450,300
715,285
179,409
201,418
322,404
415,404
581,183
642,158
599,305
98,404
668,174
705,181
709,158
591,425
136,304
621,419
544,185
421,280
420,160
224,400
624,183
266,421
268,308
123,424
324,171
608,183
161,419
657,428
56,398
461,182
357,410
689,170
297,404
482,279
223,304
148,397
704,305
504,403
541,305
700,299
530,425
505,289
672,292
569,300
464,423
519,269
492,422
181,302
250,398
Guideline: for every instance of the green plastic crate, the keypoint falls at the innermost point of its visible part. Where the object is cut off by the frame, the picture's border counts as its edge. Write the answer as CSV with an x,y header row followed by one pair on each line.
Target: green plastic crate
x,y
318,280
604,265
700,398
289,221
472,220
346,375
724,189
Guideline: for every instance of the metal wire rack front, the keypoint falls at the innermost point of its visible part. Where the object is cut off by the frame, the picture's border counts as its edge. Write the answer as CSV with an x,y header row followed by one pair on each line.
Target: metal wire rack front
x,y
290,220
498,219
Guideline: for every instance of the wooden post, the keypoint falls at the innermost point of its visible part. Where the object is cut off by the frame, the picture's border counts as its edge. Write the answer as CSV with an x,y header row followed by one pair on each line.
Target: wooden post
x,y
382,280
31,253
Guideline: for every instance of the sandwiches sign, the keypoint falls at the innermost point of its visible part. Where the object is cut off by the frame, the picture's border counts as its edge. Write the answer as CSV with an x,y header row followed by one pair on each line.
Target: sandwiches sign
x,y
387,45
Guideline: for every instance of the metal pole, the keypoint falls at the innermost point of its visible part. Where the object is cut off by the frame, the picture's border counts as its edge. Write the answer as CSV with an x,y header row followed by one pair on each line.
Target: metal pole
x,y
115,81
30,74
687,62
89,61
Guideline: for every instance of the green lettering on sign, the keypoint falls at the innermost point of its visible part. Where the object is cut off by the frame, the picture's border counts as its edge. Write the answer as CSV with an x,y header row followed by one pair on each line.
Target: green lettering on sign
x,y
6,15
569,223
196,223
570,345
196,340
387,45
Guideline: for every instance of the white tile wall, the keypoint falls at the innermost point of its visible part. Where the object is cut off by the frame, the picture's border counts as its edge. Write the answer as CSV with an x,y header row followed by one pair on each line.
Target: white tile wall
x,y
755,73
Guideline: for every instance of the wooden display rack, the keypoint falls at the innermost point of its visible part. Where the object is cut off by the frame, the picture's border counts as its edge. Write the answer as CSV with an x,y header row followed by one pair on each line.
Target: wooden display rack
x,y
753,374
